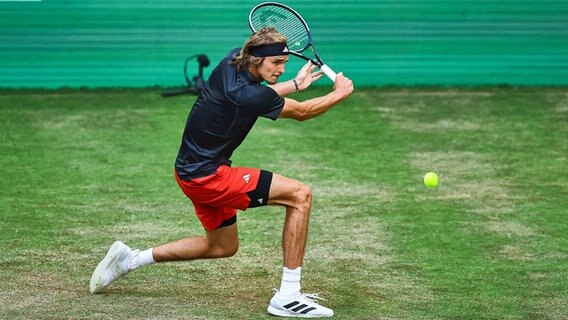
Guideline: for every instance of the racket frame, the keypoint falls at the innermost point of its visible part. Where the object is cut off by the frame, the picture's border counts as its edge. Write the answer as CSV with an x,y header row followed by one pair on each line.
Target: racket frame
x,y
317,61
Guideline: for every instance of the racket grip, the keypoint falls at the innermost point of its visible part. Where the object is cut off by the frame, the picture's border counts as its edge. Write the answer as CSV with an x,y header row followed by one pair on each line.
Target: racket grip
x,y
328,72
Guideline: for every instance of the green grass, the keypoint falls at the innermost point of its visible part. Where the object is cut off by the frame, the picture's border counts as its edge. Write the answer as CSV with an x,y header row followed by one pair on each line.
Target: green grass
x,y
81,169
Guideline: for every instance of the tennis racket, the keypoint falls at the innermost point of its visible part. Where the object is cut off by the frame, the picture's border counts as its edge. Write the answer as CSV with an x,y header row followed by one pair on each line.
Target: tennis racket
x,y
290,24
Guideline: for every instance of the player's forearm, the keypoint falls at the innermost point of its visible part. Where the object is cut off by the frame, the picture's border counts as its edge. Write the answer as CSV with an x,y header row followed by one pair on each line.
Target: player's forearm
x,y
317,106
284,88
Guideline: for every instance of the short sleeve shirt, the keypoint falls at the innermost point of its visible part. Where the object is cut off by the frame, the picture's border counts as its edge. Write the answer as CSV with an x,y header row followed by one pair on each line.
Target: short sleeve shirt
x,y
221,117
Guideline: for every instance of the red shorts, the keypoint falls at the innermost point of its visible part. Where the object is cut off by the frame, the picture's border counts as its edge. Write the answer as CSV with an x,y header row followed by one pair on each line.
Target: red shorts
x,y
217,197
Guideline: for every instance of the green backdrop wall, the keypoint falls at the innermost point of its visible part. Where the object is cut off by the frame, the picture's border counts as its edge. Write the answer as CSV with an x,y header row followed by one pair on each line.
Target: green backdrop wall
x,y
54,43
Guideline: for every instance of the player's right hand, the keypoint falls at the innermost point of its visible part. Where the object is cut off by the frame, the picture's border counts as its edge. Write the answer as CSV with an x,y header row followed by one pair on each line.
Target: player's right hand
x,y
343,85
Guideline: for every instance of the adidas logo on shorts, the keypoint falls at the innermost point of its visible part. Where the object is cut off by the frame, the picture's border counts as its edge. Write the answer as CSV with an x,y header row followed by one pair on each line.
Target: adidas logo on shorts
x,y
247,178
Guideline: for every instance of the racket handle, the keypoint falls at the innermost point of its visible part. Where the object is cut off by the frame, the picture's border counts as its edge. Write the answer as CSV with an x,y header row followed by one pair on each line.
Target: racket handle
x,y
328,72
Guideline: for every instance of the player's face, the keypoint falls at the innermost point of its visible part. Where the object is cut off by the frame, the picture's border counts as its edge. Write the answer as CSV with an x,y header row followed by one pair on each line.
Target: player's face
x,y
272,68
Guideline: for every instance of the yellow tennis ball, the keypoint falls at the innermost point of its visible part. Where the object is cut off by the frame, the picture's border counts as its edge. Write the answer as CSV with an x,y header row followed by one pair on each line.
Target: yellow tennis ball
x,y
431,180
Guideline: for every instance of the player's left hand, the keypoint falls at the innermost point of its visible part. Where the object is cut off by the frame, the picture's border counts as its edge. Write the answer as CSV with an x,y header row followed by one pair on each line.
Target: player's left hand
x,y
306,76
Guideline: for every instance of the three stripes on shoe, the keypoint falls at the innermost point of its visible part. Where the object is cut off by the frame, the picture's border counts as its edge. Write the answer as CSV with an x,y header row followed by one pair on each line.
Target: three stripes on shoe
x,y
299,308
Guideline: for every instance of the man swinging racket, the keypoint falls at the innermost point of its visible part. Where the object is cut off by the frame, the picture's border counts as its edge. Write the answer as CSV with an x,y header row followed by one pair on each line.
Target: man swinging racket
x,y
231,102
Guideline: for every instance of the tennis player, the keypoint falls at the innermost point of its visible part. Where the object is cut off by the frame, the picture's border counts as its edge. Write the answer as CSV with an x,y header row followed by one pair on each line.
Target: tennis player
x,y
231,102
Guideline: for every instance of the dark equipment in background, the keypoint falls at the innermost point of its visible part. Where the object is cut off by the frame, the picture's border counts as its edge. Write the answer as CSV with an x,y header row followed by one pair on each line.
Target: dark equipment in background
x,y
195,84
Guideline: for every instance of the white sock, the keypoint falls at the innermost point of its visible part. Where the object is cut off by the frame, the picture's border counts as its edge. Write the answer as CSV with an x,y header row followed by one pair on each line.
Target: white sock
x,y
290,284
141,259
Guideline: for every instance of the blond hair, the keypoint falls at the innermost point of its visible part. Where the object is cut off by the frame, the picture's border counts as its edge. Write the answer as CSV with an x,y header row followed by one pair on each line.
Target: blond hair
x,y
263,36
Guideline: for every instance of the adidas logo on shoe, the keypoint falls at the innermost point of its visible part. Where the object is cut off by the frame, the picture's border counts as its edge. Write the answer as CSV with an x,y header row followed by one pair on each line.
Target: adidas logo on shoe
x,y
301,305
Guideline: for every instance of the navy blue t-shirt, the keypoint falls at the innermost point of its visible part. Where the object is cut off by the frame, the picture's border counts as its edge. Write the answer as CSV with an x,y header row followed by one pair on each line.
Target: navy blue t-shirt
x,y
221,118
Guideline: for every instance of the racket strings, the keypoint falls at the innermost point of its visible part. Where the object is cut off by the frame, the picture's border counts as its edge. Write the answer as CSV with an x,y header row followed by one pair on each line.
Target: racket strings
x,y
285,22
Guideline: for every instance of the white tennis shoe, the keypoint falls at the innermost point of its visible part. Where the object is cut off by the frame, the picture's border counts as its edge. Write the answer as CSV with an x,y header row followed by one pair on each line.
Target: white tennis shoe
x,y
114,265
302,305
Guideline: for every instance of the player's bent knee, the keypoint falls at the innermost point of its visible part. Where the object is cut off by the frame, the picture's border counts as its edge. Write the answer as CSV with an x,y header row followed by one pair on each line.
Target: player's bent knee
x,y
303,197
306,194
223,252
229,252
290,193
